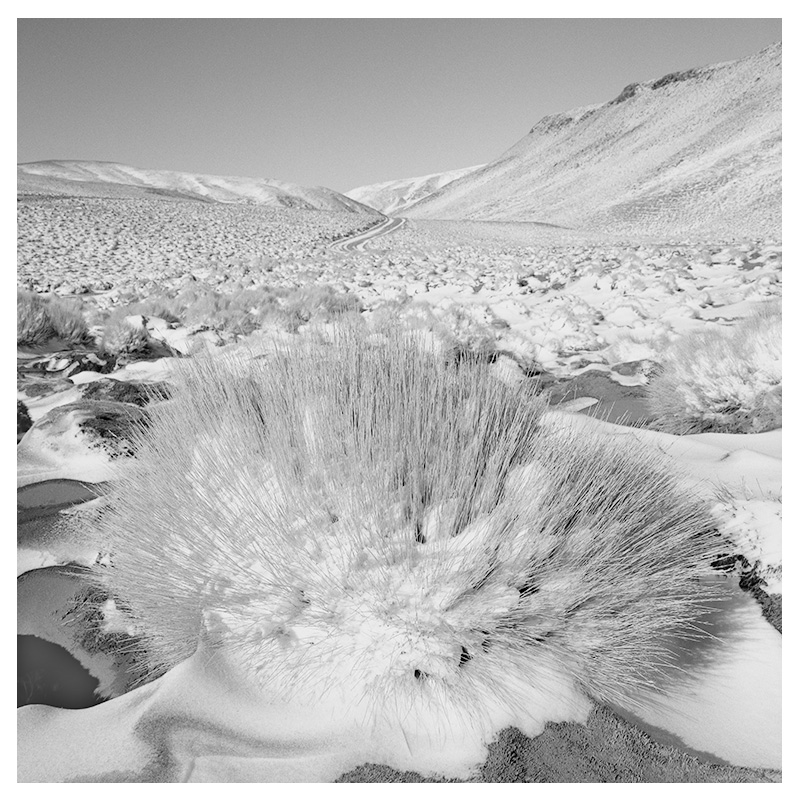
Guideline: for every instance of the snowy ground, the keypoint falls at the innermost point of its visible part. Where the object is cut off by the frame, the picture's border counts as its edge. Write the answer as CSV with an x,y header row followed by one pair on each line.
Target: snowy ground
x,y
541,301
74,245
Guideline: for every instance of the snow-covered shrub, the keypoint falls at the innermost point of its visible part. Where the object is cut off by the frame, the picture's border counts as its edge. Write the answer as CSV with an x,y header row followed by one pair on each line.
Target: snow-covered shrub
x,y
159,305
124,333
41,319
726,380
318,303
217,310
647,341
452,330
363,525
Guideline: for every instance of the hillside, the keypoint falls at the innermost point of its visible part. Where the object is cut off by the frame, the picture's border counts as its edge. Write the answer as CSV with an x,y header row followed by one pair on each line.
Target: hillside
x,y
390,197
108,179
694,152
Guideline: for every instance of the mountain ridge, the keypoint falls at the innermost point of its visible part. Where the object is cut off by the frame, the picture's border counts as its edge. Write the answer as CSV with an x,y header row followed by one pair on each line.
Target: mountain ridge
x,y
694,150
389,197
114,179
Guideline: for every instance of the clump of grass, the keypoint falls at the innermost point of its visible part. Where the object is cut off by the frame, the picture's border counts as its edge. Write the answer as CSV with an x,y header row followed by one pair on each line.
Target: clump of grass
x,y
122,336
728,381
161,306
318,303
359,523
455,331
240,312
42,319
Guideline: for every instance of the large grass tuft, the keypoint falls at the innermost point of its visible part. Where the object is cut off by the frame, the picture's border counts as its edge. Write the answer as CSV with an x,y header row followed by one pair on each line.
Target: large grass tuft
x,y
727,381
42,319
359,521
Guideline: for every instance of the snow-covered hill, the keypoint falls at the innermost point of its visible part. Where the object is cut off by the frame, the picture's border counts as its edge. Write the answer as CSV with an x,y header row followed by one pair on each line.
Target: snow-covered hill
x,y
108,179
693,152
393,196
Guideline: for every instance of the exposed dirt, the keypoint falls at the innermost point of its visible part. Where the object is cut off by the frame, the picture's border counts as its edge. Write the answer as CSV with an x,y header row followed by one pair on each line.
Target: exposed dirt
x,y
605,750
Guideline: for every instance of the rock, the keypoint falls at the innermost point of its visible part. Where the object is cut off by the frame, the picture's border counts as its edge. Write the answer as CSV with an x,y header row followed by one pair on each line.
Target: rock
x,y
69,362
133,392
34,387
24,421
639,367
110,427
78,441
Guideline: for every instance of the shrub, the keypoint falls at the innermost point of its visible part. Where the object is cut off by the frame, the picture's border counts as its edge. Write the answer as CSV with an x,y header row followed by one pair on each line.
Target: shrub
x,y
455,331
42,319
317,303
120,335
160,306
727,381
361,524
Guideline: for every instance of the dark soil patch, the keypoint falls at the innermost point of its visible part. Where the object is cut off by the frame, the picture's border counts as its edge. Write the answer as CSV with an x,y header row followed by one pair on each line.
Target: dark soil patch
x,y
605,750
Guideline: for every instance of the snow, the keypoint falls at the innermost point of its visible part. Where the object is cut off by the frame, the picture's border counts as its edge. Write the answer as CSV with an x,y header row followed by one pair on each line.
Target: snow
x,y
728,702
567,301
390,197
39,407
213,725
94,178
161,369
724,703
701,154
44,601
57,448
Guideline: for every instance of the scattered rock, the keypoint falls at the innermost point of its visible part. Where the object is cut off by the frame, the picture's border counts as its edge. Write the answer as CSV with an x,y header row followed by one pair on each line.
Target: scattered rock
x,y
69,363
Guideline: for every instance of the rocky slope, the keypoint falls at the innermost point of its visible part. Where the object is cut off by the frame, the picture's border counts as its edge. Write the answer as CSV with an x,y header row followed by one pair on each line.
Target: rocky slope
x,y
108,179
693,152
391,197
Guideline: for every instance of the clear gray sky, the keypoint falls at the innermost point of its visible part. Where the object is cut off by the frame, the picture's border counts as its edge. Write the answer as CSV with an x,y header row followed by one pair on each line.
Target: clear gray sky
x,y
337,103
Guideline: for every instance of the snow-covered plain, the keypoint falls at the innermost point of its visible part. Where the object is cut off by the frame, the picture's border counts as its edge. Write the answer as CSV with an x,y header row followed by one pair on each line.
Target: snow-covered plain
x,y
76,245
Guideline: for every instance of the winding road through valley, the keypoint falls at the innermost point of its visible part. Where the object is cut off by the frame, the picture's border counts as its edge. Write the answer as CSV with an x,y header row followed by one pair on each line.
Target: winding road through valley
x,y
359,240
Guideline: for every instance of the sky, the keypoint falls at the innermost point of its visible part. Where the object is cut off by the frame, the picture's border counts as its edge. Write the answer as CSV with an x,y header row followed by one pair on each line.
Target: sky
x,y
333,102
